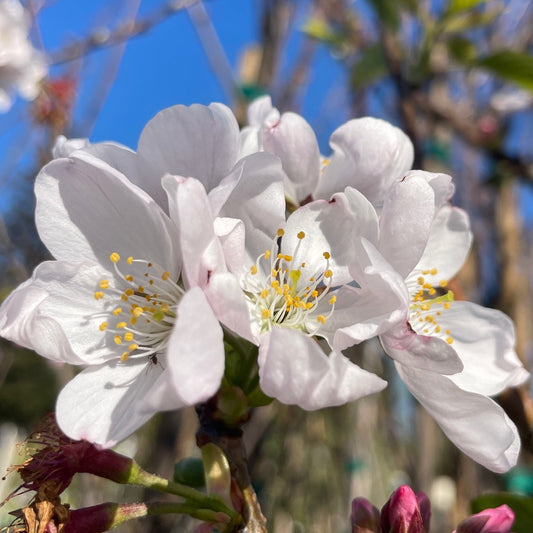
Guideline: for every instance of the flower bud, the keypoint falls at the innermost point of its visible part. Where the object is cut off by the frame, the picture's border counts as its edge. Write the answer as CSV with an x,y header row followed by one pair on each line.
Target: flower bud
x,y
498,520
365,517
401,514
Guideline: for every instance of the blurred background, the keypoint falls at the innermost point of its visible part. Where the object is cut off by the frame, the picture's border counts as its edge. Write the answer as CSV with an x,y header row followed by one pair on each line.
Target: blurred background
x,y
455,75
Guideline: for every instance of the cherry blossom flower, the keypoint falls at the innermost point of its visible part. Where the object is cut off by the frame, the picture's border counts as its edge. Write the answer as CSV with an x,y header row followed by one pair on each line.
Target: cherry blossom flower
x,y
452,355
289,282
22,67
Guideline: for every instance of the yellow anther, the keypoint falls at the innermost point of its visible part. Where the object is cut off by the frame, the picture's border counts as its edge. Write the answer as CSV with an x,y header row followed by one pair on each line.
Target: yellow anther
x,y
265,313
140,288
425,307
325,162
98,295
253,270
303,265
427,285
326,255
287,258
275,284
165,308
447,332
432,291
321,319
267,254
128,277
130,260
332,300
314,294
449,340
165,275
117,311
328,273
129,292
132,347
133,320
118,339
103,326
264,293
128,336
446,305
280,233
308,305
420,280
443,283
115,258
433,271
121,325
104,284
124,357
437,329
301,235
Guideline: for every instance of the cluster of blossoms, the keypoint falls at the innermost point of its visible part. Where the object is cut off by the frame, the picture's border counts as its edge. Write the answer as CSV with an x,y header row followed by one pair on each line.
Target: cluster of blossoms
x,y
208,233
407,512
22,67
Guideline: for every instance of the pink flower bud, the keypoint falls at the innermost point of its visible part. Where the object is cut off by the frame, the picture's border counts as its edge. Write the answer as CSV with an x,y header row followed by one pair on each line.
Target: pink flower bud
x,y
401,514
365,517
498,520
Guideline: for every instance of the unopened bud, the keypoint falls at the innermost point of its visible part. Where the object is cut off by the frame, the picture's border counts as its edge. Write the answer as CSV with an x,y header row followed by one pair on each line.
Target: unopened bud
x,y
401,514
365,517
498,520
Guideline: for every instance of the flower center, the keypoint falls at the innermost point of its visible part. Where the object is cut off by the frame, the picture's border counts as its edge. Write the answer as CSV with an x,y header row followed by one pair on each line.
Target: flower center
x,y
427,306
141,308
280,291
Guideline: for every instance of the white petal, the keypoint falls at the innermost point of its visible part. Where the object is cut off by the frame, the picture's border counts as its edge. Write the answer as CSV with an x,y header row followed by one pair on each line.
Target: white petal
x,y
405,223
195,353
441,184
253,193
55,313
368,154
484,339
189,206
261,110
196,141
448,245
420,351
106,404
231,234
87,210
474,423
293,140
294,369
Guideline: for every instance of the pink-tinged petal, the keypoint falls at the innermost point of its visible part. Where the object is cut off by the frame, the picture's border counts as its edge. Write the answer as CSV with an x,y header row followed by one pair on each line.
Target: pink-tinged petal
x,y
293,140
195,352
368,154
55,313
430,353
484,339
405,223
376,304
106,404
190,208
231,234
253,193
196,141
476,424
261,110
497,520
364,517
448,245
442,185
228,302
86,210
401,513
294,369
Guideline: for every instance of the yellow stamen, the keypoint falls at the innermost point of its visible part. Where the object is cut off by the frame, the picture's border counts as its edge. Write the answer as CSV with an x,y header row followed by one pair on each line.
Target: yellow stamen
x,y
115,258
321,319
104,284
98,295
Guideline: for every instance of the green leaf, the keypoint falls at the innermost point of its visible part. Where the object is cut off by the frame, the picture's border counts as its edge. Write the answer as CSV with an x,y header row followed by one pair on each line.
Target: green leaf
x,y
462,50
190,472
469,21
457,6
319,29
522,507
515,67
217,472
388,12
370,67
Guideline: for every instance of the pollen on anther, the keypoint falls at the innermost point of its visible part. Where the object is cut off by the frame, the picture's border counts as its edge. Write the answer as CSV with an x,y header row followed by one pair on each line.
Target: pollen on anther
x,y
128,336
328,274
165,275
104,284
117,311
433,271
301,235
124,356
449,340
443,283
265,313
130,260
132,347
267,254
264,293
253,270
326,255
280,233
128,277
114,257
103,326
98,295
121,325
321,319
332,300
118,339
